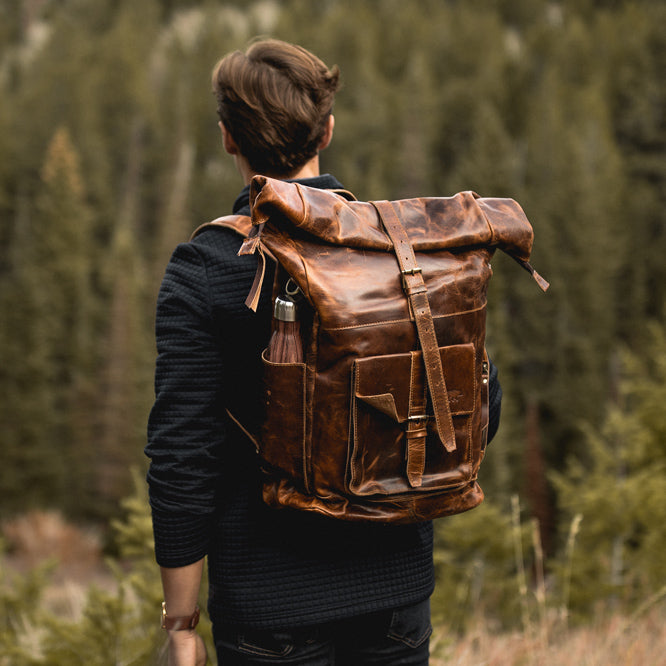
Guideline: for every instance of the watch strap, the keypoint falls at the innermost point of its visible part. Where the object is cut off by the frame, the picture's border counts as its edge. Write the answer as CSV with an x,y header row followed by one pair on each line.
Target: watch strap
x,y
179,623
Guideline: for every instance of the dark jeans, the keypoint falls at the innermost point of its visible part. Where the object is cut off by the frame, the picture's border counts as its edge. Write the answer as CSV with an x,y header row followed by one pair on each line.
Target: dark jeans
x,y
397,637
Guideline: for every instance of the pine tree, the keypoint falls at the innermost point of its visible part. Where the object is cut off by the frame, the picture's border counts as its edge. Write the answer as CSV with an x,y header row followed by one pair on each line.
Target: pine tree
x,y
559,349
67,310
47,338
620,491
126,377
634,47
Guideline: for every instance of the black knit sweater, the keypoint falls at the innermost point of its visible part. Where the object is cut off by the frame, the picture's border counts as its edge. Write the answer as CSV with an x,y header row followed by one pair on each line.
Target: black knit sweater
x,y
267,568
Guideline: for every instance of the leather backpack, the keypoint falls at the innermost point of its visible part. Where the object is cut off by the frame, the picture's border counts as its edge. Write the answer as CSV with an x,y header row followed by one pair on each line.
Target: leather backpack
x,y
385,418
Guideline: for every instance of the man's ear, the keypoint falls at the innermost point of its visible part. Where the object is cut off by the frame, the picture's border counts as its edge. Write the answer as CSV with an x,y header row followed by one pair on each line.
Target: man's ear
x,y
328,133
228,140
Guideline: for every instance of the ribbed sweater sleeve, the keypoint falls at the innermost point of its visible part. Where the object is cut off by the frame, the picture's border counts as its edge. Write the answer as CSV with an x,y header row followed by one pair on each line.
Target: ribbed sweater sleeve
x,y
185,428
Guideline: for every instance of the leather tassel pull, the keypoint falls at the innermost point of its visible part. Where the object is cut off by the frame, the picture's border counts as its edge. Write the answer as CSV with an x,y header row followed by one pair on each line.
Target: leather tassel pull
x,y
252,300
251,245
542,282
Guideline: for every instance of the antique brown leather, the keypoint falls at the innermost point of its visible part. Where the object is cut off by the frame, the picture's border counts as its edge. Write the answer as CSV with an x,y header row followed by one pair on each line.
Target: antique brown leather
x,y
241,224
386,419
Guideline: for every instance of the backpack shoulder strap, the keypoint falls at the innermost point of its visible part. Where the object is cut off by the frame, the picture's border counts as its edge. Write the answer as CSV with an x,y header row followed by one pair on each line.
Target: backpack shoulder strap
x,y
241,224
345,193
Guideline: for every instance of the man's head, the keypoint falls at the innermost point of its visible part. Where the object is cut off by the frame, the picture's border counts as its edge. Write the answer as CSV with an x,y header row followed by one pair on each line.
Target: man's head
x,y
275,100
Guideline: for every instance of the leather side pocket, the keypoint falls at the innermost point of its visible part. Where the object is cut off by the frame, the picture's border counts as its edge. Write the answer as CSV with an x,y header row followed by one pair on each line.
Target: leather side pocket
x,y
283,432
383,388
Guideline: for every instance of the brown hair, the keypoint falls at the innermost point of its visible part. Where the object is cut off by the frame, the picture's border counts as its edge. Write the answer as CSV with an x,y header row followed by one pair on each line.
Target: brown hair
x,y
275,100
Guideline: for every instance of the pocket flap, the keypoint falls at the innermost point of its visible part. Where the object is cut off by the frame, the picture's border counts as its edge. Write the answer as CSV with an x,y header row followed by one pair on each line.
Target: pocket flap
x,y
385,403
383,382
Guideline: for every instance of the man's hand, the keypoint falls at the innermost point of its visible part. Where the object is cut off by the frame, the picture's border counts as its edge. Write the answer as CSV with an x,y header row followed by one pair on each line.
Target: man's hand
x,y
186,648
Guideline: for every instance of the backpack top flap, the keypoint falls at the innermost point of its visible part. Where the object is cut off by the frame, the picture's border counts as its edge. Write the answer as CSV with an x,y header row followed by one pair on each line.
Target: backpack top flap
x,y
462,220
282,210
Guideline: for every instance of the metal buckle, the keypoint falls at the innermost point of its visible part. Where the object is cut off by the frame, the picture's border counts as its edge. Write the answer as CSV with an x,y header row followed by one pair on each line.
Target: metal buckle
x,y
420,419
406,272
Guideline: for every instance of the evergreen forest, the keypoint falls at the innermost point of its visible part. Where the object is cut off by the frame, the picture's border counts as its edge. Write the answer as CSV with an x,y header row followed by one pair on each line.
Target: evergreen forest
x,y
110,155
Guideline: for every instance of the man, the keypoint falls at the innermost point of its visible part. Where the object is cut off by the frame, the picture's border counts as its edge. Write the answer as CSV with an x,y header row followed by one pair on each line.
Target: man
x,y
284,586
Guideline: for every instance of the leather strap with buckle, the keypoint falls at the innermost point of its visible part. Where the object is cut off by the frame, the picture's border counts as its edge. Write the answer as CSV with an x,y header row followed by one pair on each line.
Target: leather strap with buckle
x,y
416,291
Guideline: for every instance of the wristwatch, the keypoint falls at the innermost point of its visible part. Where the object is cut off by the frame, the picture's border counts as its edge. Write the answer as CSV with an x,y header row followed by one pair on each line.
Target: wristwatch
x,y
179,623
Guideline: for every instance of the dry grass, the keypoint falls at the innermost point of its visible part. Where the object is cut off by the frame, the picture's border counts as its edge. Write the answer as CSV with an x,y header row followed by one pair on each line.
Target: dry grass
x,y
609,640
614,641
43,537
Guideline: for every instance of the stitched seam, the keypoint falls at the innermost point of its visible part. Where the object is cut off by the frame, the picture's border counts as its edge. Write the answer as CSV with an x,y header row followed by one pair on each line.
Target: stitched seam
x,y
470,421
353,481
306,480
249,648
407,641
400,321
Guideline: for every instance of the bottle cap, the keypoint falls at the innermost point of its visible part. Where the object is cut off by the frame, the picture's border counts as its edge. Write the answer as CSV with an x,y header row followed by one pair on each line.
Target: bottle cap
x,y
284,310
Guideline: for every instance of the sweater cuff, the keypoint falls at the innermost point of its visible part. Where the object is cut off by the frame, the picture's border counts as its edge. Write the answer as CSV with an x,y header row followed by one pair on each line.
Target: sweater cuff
x,y
180,538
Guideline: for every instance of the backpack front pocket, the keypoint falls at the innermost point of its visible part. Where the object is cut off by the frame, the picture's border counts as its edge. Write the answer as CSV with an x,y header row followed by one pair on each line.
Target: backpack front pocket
x,y
389,400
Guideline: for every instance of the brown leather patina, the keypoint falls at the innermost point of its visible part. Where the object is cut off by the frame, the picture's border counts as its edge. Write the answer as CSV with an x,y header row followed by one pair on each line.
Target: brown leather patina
x,y
386,419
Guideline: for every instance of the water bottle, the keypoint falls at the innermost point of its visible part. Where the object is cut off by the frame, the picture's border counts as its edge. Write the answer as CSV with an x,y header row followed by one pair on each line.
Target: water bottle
x,y
285,345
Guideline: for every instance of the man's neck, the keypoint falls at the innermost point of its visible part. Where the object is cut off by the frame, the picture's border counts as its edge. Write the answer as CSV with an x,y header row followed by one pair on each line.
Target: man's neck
x,y
309,170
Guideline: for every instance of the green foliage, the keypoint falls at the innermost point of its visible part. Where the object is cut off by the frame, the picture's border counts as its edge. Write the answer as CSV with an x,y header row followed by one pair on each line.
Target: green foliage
x,y
51,302
619,487
476,567
120,626
21,615
117,624
110,632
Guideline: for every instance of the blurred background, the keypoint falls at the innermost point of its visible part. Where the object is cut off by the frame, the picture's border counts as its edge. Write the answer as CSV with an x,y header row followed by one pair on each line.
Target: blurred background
x,y
110,155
